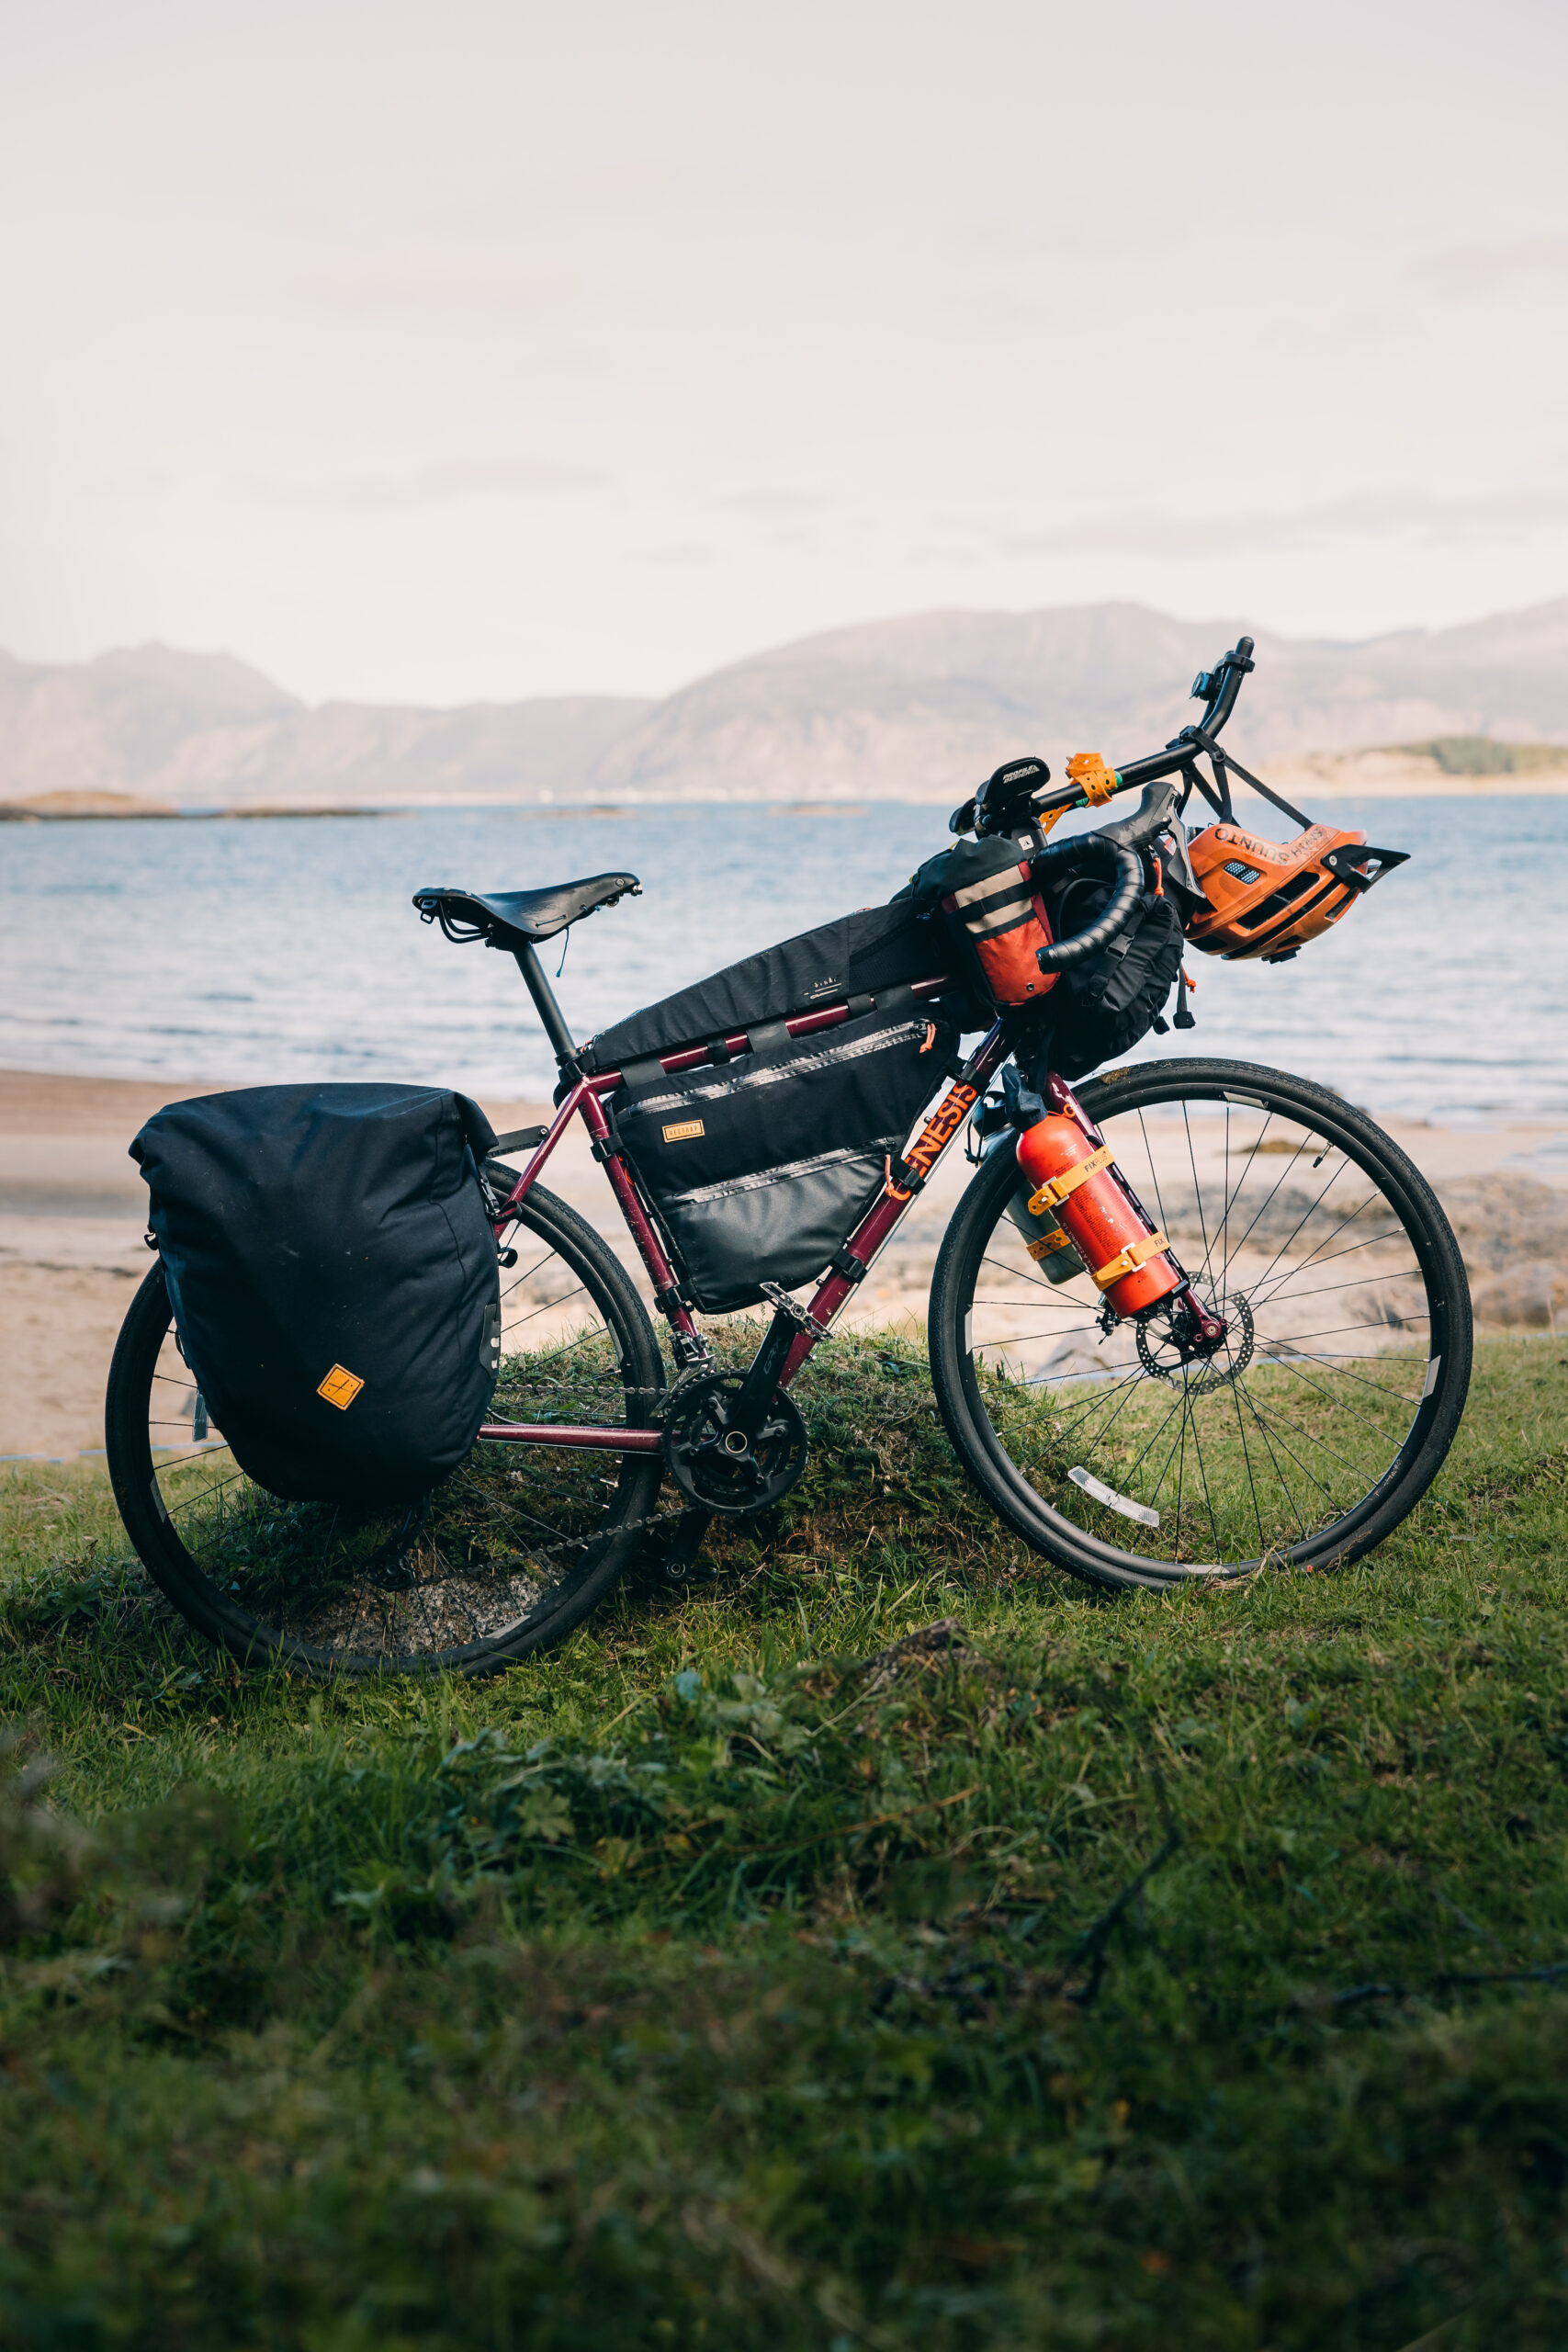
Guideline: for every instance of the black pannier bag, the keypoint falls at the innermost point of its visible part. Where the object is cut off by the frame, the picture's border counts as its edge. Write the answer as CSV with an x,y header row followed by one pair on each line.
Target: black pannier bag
x,y
333,1277
854,956
761,1166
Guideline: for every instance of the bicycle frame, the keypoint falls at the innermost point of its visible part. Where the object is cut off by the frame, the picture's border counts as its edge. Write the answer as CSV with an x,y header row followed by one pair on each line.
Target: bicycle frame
x,y
941,1129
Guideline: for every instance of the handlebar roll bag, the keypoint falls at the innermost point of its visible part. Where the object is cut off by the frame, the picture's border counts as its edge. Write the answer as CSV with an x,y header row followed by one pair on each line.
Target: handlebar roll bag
x,y
1104,1006
994,915
332,1273
760,1167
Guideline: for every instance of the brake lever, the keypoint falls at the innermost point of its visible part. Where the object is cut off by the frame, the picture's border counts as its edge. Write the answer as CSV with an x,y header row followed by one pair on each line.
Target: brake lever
x,y
1153,815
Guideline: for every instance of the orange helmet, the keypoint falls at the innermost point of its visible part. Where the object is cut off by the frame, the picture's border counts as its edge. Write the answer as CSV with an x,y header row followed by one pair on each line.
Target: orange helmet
x,y
1266,900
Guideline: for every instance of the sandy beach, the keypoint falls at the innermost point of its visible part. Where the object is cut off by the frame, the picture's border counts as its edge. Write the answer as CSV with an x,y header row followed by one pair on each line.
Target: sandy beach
x,y
72,1214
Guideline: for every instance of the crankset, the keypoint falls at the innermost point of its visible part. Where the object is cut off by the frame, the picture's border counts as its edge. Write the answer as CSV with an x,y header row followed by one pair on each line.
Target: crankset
x,y
716,1459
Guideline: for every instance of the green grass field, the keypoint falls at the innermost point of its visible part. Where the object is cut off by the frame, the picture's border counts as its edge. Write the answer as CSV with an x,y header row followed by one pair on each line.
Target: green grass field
x,y
1153,1971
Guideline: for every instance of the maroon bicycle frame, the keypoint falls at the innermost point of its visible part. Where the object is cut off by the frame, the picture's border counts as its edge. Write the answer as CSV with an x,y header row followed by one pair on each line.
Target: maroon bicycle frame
x,y
939,1131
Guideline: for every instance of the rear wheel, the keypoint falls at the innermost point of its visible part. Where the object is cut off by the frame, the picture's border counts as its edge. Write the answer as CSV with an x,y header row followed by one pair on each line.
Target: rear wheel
x,y
1307,1435
506,1555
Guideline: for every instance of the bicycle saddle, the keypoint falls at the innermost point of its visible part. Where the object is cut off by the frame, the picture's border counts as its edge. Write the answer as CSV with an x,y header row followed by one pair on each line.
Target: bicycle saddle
x,y
518,918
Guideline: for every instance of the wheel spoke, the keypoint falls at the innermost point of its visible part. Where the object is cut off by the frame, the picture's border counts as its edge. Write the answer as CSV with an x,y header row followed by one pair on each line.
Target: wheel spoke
x,y
1316,1416
366,1587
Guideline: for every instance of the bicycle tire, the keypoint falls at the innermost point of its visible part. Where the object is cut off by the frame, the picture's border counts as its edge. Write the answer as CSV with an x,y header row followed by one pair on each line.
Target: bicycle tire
x,y
209,1565
1056,1507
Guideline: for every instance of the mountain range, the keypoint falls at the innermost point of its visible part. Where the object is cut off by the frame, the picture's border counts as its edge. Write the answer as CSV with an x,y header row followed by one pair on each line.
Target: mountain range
x,y
916,707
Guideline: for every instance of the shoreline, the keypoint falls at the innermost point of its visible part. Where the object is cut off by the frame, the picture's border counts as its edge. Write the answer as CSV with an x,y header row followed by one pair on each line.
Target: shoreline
x,y
72,1214
1327,781
99,1103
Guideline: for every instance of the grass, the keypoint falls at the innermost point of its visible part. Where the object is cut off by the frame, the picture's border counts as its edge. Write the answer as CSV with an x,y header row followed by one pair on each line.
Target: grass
x,y
1162,1971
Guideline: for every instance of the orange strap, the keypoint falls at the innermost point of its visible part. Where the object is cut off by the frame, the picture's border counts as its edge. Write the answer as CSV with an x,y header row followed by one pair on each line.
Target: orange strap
x,y
1056,1188
1128,1261
1048,1243
1093,778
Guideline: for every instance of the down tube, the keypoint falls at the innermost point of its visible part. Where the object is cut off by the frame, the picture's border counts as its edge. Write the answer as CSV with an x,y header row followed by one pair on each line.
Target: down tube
x,y
941,1131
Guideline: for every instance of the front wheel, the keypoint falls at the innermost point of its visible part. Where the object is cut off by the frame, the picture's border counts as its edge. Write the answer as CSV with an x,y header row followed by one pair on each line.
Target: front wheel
x,y
1319,1422
504,1556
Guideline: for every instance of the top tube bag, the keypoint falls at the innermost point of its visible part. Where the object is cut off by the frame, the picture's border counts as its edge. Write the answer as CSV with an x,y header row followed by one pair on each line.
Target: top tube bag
x,y
856,954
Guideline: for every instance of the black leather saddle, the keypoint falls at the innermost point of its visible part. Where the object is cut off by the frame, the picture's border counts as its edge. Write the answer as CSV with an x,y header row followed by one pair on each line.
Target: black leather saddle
x,y
516,918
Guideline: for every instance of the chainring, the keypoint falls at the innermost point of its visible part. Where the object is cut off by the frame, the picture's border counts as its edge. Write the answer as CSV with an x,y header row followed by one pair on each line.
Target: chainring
x,y
711,1457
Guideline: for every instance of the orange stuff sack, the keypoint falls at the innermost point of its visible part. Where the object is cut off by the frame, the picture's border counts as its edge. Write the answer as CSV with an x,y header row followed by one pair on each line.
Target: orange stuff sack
x,y
1268,899
996,916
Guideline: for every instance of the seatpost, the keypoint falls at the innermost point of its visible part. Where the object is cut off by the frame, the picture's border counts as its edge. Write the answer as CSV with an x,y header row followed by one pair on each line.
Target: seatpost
x,y
544,1004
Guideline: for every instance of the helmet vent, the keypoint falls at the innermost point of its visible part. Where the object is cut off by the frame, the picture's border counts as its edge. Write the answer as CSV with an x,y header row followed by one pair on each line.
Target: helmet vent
x,y
1276,902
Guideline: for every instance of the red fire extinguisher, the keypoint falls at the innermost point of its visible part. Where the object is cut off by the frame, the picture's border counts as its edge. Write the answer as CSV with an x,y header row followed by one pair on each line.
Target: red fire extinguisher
x,y
1073,1183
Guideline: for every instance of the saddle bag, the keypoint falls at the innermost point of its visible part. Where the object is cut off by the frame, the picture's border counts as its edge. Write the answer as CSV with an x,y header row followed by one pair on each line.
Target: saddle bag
x,y
760,1164
333,1277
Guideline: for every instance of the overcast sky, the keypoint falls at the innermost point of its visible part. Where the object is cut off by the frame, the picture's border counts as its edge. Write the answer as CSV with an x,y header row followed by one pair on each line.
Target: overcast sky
x,y
429,353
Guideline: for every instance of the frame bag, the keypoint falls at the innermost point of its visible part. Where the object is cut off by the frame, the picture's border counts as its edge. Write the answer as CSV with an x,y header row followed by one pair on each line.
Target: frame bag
x,y
760,1164
332,1272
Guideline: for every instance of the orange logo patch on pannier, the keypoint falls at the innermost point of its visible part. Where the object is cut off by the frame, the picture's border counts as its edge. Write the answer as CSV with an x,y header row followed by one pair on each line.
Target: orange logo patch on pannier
x,y
340,1387
683,1130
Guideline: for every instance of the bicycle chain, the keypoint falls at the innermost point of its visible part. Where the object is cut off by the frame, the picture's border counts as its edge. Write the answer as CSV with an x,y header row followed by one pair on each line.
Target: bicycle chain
x,y
632,1526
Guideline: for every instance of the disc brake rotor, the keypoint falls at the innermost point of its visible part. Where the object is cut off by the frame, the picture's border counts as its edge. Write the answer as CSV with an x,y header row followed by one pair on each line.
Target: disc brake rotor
x,y
1167,1355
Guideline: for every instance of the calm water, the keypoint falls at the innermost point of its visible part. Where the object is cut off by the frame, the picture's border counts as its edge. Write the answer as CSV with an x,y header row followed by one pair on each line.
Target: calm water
x,y
286,948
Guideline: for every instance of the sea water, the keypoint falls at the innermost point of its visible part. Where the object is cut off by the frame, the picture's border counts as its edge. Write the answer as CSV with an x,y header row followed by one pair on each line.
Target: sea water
x,y
285,948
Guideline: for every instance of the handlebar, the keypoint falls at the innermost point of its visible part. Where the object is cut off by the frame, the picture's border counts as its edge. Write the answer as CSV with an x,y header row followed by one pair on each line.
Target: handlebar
x,y
1089,855
1219,687
1115,850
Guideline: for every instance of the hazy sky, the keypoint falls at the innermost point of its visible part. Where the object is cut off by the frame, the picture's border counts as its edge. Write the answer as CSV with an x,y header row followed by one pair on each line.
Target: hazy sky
x,y
431,353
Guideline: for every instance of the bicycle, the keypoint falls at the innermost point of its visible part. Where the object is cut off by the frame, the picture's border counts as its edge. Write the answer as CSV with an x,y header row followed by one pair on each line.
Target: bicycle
x,y
1286,1409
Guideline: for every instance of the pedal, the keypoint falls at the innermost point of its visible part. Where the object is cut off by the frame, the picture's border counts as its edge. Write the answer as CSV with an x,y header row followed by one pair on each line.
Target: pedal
x,y
792,1311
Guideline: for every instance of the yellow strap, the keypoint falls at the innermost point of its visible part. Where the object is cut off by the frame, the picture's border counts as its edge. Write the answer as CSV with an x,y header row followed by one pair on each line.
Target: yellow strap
x,y
1056,1188
1128,1261
1048,1242
1093,778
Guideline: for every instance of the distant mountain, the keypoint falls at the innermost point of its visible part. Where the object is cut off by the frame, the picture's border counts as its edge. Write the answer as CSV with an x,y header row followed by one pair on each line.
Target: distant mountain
x,y
920,707
923,705
202,730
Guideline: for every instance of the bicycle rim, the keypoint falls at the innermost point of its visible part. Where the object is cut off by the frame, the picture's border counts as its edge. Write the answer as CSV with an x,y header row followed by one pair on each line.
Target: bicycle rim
x,y
1314,1426
503,1556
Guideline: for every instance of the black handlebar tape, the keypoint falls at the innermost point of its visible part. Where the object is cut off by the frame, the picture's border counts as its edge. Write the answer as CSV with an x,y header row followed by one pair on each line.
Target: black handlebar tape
x,y
1232,670
1129,873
